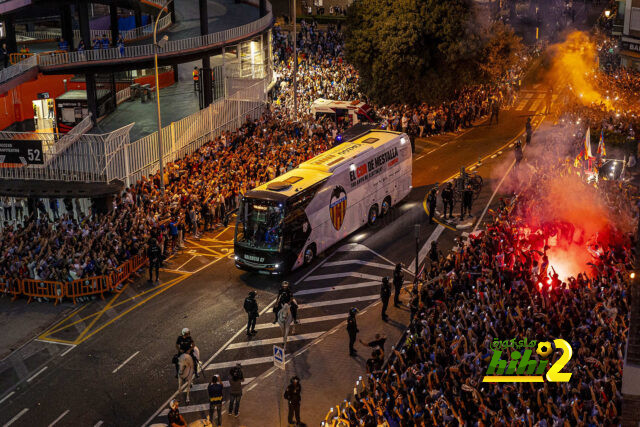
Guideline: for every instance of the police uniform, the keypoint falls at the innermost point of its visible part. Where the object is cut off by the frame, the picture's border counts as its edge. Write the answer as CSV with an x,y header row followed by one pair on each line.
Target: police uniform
x,y
467,201
352,330
385,295
447,200
155,254
251,307
431,203
398,280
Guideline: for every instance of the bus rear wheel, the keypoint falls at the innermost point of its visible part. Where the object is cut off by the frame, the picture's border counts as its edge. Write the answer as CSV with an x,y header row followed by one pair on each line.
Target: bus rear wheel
x,y
386,206
373,215
309,254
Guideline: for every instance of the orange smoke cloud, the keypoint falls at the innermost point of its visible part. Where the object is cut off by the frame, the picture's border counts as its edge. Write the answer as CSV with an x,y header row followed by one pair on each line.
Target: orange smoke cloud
x,y
575,59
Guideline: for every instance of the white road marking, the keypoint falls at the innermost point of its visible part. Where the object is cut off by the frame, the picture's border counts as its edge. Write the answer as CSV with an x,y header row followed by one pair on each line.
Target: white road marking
x,y
345,274
37,373
521,105
59,418
203,386
338,301
303,322
352,247
187,409
222,348
7,396
427,245
277,340
360,262
55,342
67,351
125,362
99,423
336,288
245,362
14,419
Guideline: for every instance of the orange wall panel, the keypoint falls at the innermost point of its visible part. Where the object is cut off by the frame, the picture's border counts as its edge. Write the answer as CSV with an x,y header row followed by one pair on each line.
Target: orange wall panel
x,y
165,79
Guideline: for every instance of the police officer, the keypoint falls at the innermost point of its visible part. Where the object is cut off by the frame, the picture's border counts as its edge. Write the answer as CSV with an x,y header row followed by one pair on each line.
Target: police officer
x,y
185,344
433,255
431,203
174,417
398,281
518,152
385,295
251,307
467,201
495,110
528,130
293,394
447,199
154,253
352,330
285,296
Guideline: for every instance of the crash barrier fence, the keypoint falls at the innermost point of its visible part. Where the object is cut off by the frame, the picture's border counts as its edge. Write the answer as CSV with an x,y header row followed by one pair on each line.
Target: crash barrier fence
x,y
128,35
57,291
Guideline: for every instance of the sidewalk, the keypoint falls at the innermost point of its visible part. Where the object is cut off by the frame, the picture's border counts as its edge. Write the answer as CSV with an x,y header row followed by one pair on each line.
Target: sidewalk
x,y
327,373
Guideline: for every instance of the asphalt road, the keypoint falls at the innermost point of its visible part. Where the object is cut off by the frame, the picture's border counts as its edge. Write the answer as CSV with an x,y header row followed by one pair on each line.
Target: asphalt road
x,y
112,363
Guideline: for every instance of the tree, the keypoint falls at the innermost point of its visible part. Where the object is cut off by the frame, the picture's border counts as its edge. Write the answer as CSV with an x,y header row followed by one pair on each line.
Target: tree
x,y
501,51
411,51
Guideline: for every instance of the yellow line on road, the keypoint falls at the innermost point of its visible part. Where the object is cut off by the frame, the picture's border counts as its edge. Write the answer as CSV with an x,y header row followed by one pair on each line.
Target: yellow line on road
x,y
55,340
99,315
73,313
424,205
225,229
50,332
207,249
180,279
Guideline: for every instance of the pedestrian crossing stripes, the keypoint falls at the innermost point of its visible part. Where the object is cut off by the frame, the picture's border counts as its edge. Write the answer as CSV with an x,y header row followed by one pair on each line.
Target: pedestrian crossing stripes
x,y
305,321
337,288
246,362
203,386
344,274
324,297
272,341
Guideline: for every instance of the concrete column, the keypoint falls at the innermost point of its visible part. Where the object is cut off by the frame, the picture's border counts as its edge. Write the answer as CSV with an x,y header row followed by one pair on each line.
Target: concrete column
x,y
263,8
113,14
10,31
83,20
205,78
138,16
92,96
205,74
204,18
172,11
66,24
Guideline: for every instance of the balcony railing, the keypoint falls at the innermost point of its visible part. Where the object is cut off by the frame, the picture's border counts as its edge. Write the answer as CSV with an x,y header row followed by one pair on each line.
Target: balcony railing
x,y
148,50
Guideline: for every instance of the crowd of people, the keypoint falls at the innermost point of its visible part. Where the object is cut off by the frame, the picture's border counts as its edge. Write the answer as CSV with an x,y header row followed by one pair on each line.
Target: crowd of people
x,y
499,285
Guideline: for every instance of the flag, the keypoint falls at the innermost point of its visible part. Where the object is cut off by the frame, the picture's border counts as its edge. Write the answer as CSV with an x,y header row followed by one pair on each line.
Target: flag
x,y
601,149
587,144
576,162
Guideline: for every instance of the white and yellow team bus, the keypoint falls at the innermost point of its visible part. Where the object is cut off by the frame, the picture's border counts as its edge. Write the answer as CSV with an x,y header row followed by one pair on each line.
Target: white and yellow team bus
x,y
286,222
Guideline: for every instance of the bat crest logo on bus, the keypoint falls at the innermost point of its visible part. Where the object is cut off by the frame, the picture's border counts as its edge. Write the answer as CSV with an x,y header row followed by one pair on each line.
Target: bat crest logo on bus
x,y
338,207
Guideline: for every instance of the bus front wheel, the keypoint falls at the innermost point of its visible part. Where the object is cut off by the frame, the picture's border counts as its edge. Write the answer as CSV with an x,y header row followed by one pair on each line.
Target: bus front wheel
x,y
373,215
309,254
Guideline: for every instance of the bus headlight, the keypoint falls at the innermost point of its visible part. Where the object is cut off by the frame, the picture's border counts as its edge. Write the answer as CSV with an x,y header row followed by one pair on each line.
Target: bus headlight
x,y
277,266
236,257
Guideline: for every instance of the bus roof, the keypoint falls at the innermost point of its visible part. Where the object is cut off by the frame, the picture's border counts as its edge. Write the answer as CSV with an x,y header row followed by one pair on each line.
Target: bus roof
x,y
288,184
345,152
321,167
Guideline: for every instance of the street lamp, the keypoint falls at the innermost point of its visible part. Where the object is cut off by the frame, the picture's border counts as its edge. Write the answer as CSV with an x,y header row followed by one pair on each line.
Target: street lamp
x,y
607,13
159,45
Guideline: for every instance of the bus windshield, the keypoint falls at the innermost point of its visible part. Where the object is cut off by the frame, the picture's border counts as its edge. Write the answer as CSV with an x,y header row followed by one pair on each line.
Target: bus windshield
x,y
259,224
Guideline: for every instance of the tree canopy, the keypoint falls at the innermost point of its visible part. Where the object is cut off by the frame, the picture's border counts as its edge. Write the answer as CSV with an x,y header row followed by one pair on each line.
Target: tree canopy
x,y
411,51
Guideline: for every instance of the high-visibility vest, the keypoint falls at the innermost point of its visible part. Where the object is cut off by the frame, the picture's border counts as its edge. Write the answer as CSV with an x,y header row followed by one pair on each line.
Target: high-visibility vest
x,y
195,75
